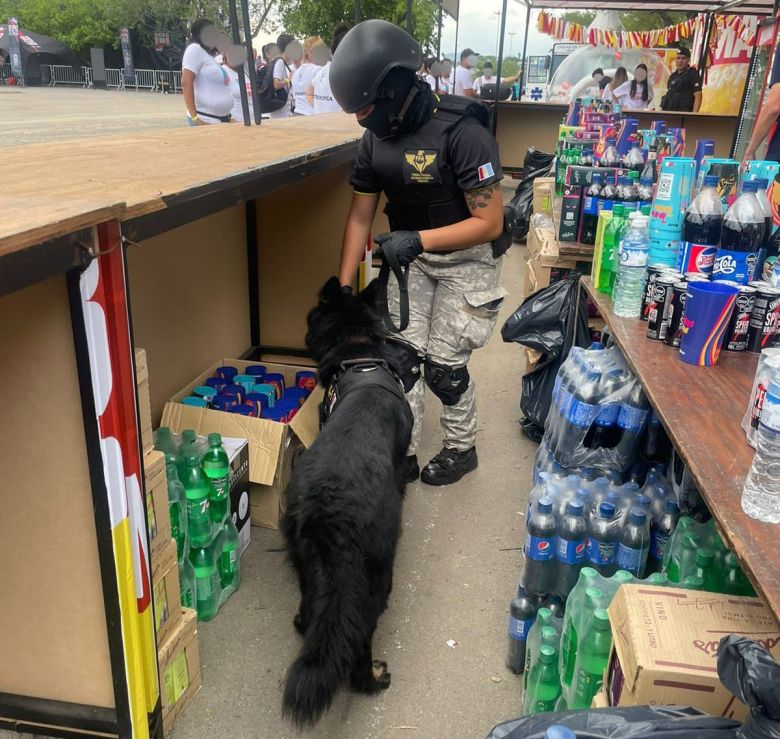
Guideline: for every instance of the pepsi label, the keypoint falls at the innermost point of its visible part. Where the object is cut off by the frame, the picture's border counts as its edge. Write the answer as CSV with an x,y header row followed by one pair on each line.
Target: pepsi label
x,y
658,545
590,205
583,414
518,629
608,414
629,559
600,552
738,266
631,419
698,258
539,548
570,552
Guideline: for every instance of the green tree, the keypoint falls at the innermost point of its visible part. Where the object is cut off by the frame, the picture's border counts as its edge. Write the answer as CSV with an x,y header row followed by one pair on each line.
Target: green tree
x,y
635,20
318,17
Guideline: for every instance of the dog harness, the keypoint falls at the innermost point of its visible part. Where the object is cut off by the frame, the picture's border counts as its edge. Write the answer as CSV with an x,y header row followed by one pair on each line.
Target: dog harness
x,y
357,373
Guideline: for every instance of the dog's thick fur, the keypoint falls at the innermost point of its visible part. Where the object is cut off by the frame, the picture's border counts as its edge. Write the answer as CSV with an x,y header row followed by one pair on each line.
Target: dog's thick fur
x,y
344,513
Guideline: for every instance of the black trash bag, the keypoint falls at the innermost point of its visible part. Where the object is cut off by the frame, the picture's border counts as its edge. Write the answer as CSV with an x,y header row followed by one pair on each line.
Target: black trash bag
x,y
549,322
536,164
750,672
627,722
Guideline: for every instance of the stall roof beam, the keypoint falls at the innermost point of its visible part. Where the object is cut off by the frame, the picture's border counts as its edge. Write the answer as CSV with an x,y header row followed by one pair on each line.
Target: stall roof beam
x,y
741,7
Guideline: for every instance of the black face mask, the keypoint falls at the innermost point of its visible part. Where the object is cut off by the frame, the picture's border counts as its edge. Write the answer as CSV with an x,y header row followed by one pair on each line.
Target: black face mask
x,y
401,105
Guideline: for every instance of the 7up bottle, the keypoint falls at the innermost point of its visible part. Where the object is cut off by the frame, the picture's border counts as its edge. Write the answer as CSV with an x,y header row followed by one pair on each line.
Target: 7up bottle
x,y
198,490
217,468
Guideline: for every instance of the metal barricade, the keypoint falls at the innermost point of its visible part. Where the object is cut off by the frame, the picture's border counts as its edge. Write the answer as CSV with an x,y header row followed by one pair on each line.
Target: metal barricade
x,y
146,79
87,72
115,78
5,72
62,74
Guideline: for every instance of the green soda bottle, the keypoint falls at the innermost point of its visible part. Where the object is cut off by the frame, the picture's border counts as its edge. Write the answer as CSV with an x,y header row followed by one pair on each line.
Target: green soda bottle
x,y
187,446
228,562
594,598
206,582
177,507
544,618
693,582
612,231
544,685
735,581
187,583
165,443
682,562
217,468
592,660
705,569
588,576
198,491
621,577
657,579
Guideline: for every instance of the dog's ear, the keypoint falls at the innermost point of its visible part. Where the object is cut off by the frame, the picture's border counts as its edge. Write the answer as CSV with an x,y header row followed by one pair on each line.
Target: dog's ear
x,y
372,294
331,290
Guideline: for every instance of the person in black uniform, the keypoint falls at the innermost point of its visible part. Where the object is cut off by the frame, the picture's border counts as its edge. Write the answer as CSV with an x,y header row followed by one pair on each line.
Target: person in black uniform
x,y
684,87
437,162
767,120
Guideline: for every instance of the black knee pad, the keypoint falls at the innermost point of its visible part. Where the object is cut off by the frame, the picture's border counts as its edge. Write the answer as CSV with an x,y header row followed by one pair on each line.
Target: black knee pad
x,y
447,384
406,362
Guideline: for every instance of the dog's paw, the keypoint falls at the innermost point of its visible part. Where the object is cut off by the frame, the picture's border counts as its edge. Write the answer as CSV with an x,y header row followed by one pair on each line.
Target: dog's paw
x,y
381,675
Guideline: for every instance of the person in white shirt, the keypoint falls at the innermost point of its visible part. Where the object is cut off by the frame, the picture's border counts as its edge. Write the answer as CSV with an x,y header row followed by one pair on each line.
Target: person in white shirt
x,y
319,92
282,73
445,83
205,84
487,78
635,94
302,77
463,80
237,113
425,72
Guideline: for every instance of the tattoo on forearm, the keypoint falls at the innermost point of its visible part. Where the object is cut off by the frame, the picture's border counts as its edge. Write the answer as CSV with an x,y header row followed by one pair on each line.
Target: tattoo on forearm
x,y
479,198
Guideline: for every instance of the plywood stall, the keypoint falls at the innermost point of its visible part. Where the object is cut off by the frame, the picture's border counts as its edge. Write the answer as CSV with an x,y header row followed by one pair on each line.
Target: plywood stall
x,y
211,243
521,125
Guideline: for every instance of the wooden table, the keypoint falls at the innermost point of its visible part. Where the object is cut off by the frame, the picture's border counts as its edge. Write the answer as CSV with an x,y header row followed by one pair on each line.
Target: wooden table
x,y
701,409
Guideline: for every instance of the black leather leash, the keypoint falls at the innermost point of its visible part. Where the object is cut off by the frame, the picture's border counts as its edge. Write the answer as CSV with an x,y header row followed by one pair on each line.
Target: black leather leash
x,y
390,262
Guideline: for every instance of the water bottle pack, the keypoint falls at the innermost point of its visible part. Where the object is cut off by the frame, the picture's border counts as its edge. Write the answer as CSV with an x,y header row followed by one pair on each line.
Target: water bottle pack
x,y
598,411
575,521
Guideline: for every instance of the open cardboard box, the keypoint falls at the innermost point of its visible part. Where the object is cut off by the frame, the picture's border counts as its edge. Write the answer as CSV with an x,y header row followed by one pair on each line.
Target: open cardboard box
x,y
272,445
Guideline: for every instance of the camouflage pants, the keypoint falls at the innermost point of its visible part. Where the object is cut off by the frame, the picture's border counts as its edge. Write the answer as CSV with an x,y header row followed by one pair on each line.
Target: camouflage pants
x,y
454,301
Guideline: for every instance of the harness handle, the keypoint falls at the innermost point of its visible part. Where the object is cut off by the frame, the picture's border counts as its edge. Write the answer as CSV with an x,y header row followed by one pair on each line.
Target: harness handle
x,y
390,262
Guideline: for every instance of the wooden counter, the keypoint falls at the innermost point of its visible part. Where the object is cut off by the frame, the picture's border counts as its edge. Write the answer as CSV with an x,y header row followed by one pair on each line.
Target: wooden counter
x,y
701,409
520,125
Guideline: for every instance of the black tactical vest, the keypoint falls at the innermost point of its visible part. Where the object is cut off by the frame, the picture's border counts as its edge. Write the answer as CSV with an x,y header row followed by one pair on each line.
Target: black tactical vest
x,y
414,170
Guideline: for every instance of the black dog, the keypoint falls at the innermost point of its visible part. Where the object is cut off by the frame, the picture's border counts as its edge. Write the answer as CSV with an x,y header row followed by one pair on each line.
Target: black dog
x,y
344,507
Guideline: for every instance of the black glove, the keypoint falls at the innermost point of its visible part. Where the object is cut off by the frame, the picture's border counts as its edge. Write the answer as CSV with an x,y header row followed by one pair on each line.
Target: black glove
x,y
406,245
346,289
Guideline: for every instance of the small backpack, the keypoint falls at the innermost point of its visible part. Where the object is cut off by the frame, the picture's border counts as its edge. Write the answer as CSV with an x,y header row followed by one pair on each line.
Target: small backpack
x,y
270,99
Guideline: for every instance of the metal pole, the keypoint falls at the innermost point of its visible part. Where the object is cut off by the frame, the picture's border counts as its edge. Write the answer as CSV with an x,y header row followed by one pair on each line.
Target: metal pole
x,y
240,70
438,38
457,30
409,19
500,60
525,47
250,64
356,11
702,65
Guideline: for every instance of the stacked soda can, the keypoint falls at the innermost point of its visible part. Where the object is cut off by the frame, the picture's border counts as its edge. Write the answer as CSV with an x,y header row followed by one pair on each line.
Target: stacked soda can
x,y
256,392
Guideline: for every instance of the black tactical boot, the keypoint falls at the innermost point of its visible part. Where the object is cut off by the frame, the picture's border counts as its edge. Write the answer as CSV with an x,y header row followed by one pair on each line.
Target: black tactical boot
x,y
412,470
448,466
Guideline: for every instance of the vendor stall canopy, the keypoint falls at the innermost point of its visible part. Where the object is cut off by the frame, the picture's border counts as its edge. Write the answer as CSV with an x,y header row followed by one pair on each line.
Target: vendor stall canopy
x,y
741,7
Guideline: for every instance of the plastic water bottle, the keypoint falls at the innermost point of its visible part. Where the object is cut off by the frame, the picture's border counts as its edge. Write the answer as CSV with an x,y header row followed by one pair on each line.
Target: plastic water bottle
x,y
522,614
741,239
630,285
217,468
177,507
198,490
228,564
206,582
570,547
634,545
761,494
540,566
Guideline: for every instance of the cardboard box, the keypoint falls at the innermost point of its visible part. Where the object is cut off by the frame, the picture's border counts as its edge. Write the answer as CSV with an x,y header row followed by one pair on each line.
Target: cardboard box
x,y
179,662
268,501
166,592
543,195
238,455
542,245
144,401
600,700
665,642
158,519
268,441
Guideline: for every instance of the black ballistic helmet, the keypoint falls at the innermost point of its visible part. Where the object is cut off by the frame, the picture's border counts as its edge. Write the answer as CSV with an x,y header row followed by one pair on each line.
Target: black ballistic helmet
x,y
365,56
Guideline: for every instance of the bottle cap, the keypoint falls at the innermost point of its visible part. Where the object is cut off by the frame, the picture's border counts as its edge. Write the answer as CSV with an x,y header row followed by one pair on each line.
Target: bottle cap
x,y
750,186
623,576
545,505
549,635
731,560
638,516
588,573
761,183
215,439
188,435
594,595
547,654
596,346
574,508
693,581
710,180
544,615
606,510
192,460
671,506
631,487
705,557
642,501
601,619
657,579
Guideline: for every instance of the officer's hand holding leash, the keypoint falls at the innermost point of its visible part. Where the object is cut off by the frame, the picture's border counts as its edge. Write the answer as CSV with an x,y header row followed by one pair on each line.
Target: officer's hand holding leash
x,y
398,250
405,246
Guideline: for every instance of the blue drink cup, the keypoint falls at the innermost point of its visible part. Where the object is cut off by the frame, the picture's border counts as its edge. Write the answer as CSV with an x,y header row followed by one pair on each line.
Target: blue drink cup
x,y
217,383
223,402
237,391
195,402
290,405
244,409
276,414
227,372
269,391
204,391
306,379
259,401
296,393
246,381
708,308
277,380
256,370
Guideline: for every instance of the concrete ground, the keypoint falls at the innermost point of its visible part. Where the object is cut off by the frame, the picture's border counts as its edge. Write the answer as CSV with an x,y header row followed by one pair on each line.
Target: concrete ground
x,y
458,565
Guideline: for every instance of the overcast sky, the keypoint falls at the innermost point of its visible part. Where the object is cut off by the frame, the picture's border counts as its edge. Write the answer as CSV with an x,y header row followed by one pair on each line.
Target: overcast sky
x,y
478,29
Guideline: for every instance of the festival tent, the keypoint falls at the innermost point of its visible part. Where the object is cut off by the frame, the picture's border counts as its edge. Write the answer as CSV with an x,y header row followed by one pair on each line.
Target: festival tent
x,y
38,51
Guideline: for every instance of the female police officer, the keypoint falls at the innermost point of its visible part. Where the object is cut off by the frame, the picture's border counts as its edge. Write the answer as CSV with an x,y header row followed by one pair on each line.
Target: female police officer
x,y
437,163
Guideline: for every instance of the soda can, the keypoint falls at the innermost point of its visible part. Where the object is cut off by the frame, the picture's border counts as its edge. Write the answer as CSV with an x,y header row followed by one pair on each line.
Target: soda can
x,y
763,319
652,273
768,370
659,314
696,277
736,339
698,258
674,329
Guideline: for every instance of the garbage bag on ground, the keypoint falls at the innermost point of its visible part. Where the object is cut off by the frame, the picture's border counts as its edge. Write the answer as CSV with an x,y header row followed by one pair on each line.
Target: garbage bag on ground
x,y
749,671
550,322
536,164
627,722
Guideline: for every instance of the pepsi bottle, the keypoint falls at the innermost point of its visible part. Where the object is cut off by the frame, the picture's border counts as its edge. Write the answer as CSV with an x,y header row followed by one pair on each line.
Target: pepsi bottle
x,y
522,614
656,446
590,211
570,547
766,209
608,194
704,218
602,540
602,433
661,534
634,545
540,566
582,412
610,157
631,422
741,239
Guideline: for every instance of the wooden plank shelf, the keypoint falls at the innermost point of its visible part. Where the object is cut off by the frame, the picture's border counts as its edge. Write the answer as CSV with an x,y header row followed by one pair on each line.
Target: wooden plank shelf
x,y
701,409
